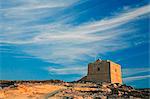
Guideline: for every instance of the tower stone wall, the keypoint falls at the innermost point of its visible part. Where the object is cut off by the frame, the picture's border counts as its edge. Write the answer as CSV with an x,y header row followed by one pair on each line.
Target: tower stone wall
x,y
104,71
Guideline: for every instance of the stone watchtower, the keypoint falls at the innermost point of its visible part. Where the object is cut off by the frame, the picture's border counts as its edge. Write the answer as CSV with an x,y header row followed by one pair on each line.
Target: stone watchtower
x,y
104,71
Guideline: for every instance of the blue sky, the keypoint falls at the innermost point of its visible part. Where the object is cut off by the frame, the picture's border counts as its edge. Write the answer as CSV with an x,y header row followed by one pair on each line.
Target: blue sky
x,y
56,39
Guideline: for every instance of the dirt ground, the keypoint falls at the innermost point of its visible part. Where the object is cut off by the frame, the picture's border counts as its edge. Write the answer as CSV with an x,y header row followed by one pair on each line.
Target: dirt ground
x,y
28,91
64,90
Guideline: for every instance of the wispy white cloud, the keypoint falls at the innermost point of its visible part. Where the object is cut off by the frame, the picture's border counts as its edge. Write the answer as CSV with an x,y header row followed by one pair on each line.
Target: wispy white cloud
x,y
62,43
39,4
68,70
85,32
132,74
134,71
134,78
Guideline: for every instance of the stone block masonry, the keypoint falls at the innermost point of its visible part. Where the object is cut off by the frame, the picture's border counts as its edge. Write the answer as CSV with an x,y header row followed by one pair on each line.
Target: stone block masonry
x,y
104,71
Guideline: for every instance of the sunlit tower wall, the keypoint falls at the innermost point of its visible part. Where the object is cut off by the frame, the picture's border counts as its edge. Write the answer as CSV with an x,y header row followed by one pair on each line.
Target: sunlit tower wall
x,y
104,71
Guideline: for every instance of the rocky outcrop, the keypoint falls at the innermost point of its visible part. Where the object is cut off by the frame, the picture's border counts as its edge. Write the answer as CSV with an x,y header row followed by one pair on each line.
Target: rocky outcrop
x,y
88,90
78,90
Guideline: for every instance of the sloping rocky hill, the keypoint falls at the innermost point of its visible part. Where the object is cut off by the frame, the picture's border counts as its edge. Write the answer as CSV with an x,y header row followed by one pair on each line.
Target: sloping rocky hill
x,y
56,89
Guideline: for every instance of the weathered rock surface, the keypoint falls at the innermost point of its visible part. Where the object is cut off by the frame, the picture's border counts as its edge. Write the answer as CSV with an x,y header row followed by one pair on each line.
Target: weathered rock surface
x,y
55,89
